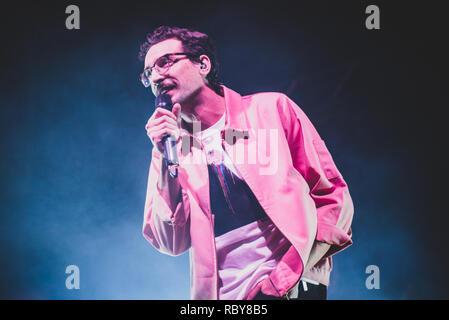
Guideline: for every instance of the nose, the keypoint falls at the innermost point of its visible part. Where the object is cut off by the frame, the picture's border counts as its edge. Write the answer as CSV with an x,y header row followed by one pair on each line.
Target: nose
x,y
155,80
156,77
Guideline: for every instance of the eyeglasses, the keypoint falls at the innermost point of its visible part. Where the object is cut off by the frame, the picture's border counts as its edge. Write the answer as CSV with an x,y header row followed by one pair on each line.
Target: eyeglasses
x,y
161,65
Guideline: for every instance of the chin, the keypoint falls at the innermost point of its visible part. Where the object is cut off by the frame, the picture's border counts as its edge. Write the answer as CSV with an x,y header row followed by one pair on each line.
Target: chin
x,y
176,98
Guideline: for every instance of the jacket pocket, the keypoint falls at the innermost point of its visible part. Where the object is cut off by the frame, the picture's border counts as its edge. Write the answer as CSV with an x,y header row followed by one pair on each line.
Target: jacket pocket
x,y
326,161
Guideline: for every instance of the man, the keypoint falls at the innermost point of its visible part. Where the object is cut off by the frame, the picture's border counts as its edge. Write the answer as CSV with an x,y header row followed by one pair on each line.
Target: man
x,y
257,227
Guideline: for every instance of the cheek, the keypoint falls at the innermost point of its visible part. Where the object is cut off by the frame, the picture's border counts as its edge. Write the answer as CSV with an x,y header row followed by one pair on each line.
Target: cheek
x,y
187,84
190,77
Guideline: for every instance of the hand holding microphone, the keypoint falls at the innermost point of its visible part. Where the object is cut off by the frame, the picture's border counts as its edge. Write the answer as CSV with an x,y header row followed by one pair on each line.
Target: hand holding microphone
x,y
163,130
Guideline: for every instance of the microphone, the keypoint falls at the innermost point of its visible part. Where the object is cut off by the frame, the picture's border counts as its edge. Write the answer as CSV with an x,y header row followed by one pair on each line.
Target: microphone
x,y
171,156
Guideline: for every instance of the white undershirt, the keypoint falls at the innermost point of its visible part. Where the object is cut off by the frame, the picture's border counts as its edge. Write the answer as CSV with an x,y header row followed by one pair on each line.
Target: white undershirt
x,y
211,140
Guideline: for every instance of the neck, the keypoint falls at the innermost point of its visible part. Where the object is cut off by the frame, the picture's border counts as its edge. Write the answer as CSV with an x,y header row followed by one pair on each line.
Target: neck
x,y
205,106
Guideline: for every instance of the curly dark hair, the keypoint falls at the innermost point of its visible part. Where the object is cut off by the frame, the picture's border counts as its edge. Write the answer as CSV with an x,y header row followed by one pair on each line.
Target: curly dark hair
x,y
193,42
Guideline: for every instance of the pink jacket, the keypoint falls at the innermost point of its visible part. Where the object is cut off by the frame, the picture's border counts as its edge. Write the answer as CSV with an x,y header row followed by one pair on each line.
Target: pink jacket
x,y
298,186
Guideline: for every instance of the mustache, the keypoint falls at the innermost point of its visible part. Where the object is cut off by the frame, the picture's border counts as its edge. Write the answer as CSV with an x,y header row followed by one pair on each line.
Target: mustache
x,y
163,86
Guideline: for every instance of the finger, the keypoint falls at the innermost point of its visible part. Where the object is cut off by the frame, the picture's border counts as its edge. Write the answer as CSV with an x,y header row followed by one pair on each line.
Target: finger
x,y
162,126
158,135
163,119
176,110
155,122
163,129
160,112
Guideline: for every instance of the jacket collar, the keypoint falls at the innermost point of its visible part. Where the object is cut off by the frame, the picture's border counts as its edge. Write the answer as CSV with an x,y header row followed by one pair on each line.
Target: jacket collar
x,y
235,114
236,121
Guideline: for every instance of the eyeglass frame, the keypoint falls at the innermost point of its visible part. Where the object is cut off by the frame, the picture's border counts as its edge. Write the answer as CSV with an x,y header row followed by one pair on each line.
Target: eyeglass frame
x,y
146,81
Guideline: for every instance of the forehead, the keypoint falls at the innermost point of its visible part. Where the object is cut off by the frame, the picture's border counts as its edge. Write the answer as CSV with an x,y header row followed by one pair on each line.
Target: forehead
x,y
161,48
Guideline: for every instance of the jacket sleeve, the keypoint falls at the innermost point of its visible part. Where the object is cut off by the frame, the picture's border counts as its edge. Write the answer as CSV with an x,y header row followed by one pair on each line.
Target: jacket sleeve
x,y
166,222
328,189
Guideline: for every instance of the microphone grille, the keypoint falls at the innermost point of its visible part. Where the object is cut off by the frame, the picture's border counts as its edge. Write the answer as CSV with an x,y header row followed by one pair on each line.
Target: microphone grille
x,y
164,101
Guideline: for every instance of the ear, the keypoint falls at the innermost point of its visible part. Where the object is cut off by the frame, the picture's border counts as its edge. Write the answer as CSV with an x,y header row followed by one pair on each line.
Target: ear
x,y
205,65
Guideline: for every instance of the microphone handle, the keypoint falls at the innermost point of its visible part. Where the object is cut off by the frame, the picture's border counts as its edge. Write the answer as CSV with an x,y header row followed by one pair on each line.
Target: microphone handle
x,y
171,156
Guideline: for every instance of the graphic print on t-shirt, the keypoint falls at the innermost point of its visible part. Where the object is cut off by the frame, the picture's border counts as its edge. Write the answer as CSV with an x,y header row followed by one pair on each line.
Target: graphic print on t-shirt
x,y
233,203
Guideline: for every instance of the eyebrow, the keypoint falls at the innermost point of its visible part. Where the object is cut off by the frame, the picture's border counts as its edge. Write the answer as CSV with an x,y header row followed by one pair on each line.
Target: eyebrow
x,y
155,61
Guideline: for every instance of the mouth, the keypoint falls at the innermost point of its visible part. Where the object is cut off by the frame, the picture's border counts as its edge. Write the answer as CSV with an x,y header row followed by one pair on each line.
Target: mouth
x,y
166,88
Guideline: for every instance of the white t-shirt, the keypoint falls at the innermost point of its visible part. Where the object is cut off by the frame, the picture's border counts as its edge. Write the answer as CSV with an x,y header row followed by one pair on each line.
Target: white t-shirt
x,y
212,144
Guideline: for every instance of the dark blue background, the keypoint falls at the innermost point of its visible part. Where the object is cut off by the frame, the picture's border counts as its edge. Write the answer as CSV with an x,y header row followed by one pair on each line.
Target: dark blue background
x,y
75,154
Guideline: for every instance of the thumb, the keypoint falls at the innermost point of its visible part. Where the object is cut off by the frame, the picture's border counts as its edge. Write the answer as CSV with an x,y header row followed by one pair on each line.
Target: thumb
x,y
176,110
